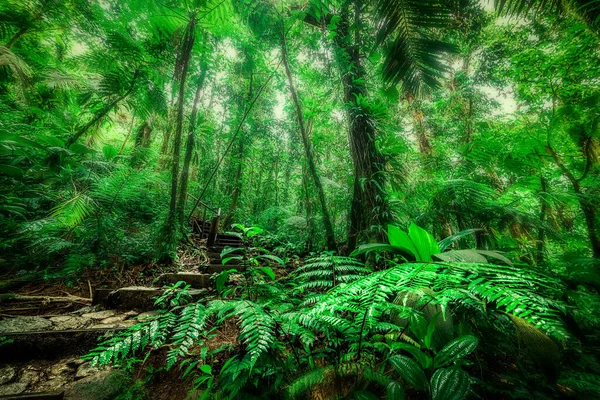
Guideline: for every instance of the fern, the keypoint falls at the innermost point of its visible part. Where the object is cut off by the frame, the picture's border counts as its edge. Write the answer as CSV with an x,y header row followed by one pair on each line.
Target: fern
x,y
326,271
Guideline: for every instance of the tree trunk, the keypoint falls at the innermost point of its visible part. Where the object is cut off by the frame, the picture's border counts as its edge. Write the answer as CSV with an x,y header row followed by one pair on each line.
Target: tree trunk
x,y
587,208
189,150
369,204
330,237
128,135
182,66
237,183
541,239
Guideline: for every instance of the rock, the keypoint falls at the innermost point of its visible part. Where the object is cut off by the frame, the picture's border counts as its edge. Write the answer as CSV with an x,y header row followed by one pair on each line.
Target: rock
x,y
24,324
85,310
113,320
55,383
7,374
122,324
12,388
60,369
29,375
66,322
85,370
74,362
147,315
105,385
100,314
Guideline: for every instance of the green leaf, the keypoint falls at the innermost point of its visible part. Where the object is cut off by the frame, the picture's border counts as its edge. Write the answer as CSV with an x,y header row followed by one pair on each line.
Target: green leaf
x,y
410,371
425,244
430,330
398,238
206,369
446,242
468,256
418,326
11,170
414,351
267,271
221,280
109,152
227,259
455,350
394,391
450,384
365,395
229,250
78,148
272,258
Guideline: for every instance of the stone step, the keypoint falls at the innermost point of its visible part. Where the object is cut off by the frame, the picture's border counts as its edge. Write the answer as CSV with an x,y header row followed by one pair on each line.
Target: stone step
x,y
52,344
198,281
134,298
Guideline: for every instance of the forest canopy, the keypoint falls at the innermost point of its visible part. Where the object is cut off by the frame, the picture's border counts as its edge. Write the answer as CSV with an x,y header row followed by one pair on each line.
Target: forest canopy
x,y
407,193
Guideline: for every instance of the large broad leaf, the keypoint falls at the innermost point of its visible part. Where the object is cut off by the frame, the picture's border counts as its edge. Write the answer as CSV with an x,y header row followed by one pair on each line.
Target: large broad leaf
x,y
455,350
394,391
421,357
469,256
424,243
78,148
495,254
450,384
410,371
400,239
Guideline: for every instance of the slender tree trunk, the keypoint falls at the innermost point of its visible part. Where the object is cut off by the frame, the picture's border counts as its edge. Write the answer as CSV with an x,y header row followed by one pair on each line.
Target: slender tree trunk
x,y
107,108
189,149
182,66
541,239
330,237
237,182
128,135
369,204
587,208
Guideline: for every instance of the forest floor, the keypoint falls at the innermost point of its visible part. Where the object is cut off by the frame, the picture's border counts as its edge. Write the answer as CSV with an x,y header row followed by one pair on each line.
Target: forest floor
x,y
45,328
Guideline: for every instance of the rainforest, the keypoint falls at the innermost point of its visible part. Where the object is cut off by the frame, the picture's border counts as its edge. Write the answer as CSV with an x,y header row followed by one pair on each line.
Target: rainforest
x,y
300,199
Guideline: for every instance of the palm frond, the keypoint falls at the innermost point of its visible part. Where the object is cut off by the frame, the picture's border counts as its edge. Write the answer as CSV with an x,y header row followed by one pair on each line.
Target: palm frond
x,y
414,56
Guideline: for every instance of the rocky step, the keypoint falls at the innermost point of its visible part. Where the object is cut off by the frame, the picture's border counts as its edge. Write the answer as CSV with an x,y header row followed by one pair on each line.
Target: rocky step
x,y
197,281
138,298
68,378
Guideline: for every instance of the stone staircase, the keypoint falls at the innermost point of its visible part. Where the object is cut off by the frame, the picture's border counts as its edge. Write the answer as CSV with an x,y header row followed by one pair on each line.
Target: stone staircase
x,y
50,346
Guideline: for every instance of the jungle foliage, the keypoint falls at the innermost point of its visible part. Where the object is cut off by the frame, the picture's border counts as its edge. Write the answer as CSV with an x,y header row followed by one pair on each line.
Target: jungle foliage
x,y
426,172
